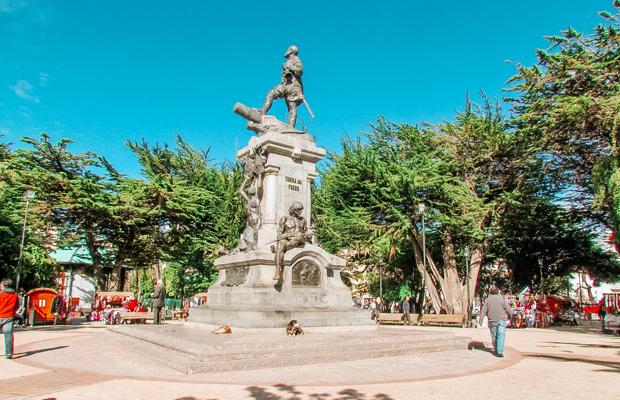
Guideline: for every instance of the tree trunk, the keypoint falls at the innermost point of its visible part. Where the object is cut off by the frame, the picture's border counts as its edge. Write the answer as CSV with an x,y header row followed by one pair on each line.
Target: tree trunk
x,y
451,287
95,257
474,272
428,281
116,277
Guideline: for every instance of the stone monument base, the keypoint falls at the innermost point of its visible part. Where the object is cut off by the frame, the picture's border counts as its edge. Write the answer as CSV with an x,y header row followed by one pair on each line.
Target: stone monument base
x,y
264,318
246,297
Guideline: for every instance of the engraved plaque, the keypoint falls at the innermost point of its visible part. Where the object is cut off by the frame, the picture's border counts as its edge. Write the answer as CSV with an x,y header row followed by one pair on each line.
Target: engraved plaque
x,y
306,273
236,276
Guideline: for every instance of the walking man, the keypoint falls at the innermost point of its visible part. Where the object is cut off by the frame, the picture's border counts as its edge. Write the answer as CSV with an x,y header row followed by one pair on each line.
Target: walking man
x,y
497,309
159,301
8,307
406,311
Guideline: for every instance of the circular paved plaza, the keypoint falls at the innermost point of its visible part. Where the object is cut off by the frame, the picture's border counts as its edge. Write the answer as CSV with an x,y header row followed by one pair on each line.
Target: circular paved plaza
x,y
77,363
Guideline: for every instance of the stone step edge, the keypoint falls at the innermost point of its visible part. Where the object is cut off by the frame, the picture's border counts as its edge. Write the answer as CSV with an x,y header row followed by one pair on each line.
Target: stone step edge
x,y
139,334
320,358
248,354
163,356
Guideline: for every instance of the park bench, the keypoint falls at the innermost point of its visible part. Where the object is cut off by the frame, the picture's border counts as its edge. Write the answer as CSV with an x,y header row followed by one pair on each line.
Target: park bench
x,y
395,318
139,317
180,315
442,319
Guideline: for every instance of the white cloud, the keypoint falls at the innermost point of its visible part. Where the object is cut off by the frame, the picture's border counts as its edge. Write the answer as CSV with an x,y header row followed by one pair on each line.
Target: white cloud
x,y
24,112
23,89
43,81
8,6
4,131
30,11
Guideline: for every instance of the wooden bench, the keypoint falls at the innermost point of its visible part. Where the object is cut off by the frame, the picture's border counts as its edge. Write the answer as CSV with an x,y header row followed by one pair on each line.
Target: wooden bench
x,y
395,318
140,317
181,315
442,319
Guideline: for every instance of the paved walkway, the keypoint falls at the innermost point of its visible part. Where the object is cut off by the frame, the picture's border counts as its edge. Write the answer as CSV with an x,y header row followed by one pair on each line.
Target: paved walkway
x,y
74,363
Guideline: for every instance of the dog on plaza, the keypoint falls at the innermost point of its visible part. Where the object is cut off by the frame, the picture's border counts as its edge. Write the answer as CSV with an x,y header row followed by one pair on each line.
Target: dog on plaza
x,y
222,330
293,328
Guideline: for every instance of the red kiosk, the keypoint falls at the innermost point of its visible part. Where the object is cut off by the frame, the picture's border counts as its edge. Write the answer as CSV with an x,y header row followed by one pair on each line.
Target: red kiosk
x,y
39,303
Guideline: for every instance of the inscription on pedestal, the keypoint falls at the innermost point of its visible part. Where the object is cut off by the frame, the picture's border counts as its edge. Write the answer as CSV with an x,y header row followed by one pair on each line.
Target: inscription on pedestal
x,y
306,273
236,276
292,183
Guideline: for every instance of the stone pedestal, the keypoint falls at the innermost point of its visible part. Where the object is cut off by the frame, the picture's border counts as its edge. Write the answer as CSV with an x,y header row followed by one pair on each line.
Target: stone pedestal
x,y
311,290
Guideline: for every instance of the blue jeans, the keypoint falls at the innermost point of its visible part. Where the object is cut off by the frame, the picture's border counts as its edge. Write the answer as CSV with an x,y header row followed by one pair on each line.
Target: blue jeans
x,y
498,335
7,328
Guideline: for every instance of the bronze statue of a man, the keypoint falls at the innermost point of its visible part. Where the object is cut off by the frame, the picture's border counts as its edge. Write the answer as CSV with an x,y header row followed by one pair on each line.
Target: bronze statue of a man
x,y
291,88
292,232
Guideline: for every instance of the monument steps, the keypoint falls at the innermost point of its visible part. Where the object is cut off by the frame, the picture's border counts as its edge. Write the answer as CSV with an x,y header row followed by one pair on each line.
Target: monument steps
x,y
200,356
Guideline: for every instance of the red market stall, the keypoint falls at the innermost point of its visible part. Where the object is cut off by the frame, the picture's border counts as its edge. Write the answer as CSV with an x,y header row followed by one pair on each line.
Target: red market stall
x,y
39,303
115,299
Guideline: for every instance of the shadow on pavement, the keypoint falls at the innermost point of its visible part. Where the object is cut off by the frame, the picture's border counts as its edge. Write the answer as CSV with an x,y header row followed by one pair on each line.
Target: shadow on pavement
x,y
57,328
479,346
601,346
29,353
290,393
611,366
260,393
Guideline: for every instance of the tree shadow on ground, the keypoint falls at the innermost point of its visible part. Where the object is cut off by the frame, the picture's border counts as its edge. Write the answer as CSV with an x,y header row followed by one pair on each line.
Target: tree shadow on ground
x,y
287,392
58,328
602,346
611,366
290,393
29,353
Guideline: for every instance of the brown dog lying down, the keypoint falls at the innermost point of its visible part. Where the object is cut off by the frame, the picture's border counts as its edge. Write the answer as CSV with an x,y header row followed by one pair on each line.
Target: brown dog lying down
x,y
222,330
293,328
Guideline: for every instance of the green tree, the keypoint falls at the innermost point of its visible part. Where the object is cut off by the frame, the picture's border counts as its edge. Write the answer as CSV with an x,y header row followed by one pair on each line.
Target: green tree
x,y
36,268
538,231
465,172
72,197
568,104
199,206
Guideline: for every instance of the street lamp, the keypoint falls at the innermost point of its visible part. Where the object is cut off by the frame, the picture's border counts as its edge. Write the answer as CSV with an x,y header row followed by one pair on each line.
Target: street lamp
x,y
422,210
467,285
381,276
28,195
540,265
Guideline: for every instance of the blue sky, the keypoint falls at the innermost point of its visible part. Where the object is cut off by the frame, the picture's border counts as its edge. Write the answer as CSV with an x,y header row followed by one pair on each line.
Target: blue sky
x,y
103,72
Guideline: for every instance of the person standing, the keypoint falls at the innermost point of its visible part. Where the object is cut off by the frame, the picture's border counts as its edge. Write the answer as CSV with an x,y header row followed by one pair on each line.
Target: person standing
x,y
159,300
58,308
8,307
498,311
406,311
533,307
601,313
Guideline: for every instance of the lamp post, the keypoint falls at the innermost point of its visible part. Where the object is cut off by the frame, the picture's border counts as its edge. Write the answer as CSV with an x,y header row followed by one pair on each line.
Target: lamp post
x,y
467,285
381,276
542,282
422,210
28,195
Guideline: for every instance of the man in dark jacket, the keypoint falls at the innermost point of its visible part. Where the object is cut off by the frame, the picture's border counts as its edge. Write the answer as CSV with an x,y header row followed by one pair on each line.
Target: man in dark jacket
x,y
497,309
159,300
8,307
406,311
